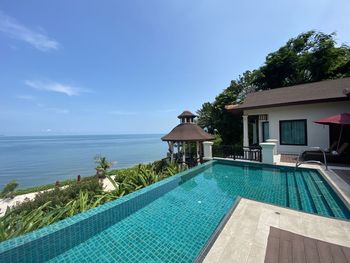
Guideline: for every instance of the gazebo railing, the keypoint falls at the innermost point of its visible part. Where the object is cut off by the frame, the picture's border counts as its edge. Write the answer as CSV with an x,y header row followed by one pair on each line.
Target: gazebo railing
x,y
235,152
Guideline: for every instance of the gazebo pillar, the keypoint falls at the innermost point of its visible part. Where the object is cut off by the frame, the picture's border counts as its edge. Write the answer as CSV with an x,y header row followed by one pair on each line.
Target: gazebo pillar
x,y
197,152
171,149
184,152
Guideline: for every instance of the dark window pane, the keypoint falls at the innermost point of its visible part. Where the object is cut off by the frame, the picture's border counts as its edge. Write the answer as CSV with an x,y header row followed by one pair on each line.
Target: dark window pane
x,y
293,132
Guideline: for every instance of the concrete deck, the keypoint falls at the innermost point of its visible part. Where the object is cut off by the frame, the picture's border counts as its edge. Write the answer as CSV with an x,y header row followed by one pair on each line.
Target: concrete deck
x,y
343,174
245,235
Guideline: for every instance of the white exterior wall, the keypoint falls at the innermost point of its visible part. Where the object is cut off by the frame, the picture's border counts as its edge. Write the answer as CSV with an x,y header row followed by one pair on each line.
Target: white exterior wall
x,y
317,134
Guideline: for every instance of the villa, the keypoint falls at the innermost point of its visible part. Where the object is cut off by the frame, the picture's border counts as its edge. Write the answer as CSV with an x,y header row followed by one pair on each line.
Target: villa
x,y
287,115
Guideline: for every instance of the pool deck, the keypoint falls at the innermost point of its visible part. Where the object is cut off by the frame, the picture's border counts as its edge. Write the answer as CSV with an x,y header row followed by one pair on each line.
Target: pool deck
x,y
244,237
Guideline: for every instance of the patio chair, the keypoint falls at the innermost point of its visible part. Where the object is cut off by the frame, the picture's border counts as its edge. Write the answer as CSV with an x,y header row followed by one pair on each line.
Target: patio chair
x,y
340,156
333,146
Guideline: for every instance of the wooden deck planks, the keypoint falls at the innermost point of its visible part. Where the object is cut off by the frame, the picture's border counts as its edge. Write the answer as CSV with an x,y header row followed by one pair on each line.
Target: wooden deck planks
x,y
288,247
324,252
272,250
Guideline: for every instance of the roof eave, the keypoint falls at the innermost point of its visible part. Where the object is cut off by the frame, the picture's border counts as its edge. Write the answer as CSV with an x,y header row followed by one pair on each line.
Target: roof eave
x,y
242,107
188,140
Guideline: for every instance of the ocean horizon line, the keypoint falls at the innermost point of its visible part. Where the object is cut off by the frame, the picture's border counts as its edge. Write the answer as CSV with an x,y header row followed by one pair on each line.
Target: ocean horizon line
x,y
88,134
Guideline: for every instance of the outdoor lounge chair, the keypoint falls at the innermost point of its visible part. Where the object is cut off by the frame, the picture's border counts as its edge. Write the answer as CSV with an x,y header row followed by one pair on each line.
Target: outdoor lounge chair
x,y
332,156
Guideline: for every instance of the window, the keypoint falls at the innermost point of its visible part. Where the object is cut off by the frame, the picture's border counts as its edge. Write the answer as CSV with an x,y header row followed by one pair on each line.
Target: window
x,y
293,132
265,131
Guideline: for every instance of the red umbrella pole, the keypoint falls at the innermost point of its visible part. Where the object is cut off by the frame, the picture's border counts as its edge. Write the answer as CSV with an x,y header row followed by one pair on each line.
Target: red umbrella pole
x,y
341,131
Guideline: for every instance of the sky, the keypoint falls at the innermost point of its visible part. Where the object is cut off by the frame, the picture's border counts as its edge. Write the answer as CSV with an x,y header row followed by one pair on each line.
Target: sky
x,y
117,67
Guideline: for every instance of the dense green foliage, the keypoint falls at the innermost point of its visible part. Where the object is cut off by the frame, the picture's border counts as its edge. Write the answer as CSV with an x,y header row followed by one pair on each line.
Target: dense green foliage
x,y
9,189
39,188
311,56
61,202
59,196
130,180
51,206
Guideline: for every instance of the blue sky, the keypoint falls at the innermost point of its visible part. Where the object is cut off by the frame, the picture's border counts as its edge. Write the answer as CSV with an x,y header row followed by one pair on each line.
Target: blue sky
x,y
111,67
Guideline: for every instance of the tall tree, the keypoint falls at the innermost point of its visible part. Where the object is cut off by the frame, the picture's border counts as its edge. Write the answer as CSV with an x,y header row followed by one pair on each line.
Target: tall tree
x,y
206,117
311,56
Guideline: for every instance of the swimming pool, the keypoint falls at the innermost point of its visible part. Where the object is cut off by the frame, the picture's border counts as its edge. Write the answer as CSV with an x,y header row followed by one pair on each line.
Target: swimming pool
x,y
172,220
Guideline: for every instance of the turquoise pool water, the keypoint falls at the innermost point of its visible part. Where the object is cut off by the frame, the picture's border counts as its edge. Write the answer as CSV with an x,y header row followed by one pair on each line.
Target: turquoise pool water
x,y
173,220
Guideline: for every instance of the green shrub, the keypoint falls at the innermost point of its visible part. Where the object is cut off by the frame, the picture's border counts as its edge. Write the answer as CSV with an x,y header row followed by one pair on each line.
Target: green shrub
x,y
137,177
9,188
60,196
16,223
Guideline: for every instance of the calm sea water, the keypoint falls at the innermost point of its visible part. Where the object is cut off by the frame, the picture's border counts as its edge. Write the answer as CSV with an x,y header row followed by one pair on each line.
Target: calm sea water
x,y
37,160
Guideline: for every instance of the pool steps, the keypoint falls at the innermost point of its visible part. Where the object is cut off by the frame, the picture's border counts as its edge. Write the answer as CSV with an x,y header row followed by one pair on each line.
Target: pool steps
x,y
299,194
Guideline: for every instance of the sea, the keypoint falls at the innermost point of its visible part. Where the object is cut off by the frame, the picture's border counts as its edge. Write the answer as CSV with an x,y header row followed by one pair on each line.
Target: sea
x,y
38,160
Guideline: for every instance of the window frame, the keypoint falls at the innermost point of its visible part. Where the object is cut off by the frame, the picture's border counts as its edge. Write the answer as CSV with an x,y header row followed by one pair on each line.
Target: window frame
x,y
305,132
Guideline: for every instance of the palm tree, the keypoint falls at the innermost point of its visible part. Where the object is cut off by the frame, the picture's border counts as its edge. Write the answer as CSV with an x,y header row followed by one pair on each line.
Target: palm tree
x,y
102,166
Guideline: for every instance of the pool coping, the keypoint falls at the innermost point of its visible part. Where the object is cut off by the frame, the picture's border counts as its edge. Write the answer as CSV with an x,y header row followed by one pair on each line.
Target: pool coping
x,y
208,245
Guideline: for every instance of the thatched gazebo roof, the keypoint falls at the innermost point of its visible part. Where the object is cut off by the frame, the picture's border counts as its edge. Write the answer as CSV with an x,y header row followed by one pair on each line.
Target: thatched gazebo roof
x,y
187,131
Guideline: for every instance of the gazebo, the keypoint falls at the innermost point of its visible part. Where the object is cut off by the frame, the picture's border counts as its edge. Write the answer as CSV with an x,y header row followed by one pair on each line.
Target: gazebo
x,y
185,135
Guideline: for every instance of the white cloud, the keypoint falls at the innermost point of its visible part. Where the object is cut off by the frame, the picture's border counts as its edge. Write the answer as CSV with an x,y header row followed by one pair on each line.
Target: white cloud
x,y
55,87
12,28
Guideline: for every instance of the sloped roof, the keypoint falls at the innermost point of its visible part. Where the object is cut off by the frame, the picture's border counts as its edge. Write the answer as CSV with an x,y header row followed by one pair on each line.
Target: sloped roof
x,y
322,91
188,132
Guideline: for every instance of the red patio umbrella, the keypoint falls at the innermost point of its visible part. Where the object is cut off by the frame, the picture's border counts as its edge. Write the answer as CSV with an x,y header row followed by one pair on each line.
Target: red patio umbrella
x,y
340,119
